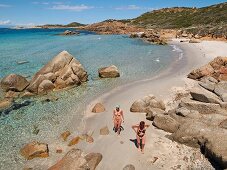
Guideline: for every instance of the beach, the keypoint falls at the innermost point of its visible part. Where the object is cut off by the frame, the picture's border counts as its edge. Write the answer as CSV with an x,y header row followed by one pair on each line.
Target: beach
x,y
160,152
120,151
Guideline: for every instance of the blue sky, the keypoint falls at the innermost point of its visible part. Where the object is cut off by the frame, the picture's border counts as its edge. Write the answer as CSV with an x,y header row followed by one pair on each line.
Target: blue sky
x,y
33,12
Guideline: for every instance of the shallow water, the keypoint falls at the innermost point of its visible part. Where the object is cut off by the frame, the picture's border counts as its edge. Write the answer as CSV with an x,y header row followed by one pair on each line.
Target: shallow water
x,y
134,58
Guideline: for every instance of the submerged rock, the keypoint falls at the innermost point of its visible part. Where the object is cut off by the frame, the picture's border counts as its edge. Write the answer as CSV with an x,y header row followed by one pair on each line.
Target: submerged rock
x,y
14,82
74,141
34,150
68,32
109,72
65,135
98,108
5,103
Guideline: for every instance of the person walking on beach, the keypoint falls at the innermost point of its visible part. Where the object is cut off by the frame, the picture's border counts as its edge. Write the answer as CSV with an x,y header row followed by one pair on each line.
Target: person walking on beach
x,y
140,130
118,118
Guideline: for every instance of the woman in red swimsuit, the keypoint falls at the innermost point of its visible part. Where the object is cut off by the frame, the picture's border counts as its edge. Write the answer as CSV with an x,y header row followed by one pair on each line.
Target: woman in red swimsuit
x,y
140,135
118,118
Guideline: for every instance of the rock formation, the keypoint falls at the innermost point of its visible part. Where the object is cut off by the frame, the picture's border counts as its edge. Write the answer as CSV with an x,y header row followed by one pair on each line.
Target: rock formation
x,y
200,119
216,69
98,108
68,32
34,150
62,71
74,160
109,72
14,82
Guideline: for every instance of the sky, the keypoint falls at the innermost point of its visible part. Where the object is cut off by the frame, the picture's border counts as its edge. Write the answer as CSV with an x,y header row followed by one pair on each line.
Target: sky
x,y
39,12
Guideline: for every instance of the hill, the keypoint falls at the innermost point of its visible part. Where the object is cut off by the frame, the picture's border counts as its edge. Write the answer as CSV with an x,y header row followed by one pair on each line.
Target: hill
x,y
73,24
182,17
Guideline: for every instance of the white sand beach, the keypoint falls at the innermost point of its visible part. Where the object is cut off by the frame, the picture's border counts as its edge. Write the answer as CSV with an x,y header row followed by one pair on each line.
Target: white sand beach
x,y
120,151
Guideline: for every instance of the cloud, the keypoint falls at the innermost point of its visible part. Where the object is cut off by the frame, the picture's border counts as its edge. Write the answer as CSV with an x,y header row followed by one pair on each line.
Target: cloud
x,y
76,8
132,7
40,3
6,22
4,6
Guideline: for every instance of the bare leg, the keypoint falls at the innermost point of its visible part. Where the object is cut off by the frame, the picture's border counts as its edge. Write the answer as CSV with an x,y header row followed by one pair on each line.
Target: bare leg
x,y
138,142
119,127
143,143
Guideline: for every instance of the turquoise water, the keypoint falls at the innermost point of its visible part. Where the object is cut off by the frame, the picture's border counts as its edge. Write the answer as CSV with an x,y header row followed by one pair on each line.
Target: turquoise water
x,y
134,58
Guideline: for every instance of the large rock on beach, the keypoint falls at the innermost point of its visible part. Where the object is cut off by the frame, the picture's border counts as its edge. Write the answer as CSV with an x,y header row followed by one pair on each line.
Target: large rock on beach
x,y
202,95
109,72
14,82
61,72
73,160
98,108
93,159
211,139
206,70
147,103
166,123
203,108
35,149
221,90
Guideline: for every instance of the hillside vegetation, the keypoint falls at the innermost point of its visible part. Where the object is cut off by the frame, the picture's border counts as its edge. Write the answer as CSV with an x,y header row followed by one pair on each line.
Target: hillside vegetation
x,y
181,17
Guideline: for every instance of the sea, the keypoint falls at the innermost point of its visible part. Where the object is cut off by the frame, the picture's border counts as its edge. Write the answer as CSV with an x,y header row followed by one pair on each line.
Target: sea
x,y
25,51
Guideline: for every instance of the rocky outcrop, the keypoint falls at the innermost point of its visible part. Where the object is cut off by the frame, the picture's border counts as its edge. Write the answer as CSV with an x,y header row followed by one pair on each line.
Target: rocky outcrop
x,y
34,150
98,108
146,104
202,95
14,82
61,72
68,32
216,69
112,27
150,36
109,72
166,123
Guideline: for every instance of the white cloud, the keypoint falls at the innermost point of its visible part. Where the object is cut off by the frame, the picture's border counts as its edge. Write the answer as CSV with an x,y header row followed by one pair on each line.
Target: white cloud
x,y
131,7
6,22
40,3
4,6
77,8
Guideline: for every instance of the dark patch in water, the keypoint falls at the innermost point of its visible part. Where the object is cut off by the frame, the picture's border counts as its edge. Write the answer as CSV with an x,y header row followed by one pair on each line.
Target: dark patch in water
x,y
15,106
